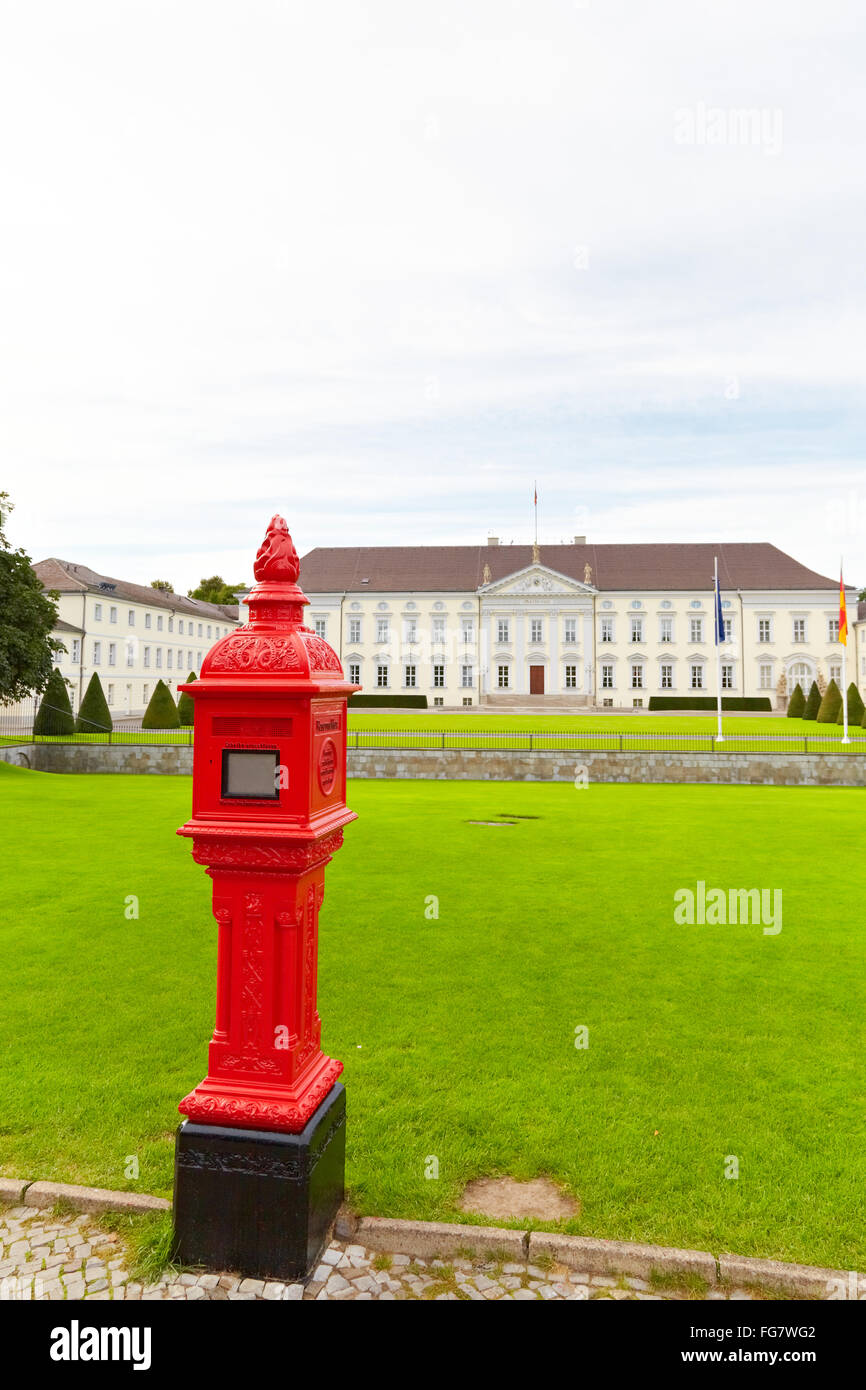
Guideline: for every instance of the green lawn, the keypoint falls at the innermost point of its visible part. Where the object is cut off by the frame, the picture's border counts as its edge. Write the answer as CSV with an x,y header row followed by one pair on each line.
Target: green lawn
x,y
458,1033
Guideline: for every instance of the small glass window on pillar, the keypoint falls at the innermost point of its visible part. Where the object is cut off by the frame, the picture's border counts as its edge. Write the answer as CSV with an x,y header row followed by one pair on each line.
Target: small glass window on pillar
x,y
251,774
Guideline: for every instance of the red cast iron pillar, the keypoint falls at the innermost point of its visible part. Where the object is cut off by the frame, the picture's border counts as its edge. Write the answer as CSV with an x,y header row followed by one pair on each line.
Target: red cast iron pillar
x,y
269,806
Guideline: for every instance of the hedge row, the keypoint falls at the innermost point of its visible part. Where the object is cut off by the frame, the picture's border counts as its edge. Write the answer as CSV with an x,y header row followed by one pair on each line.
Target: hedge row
x,y
383,701
759,703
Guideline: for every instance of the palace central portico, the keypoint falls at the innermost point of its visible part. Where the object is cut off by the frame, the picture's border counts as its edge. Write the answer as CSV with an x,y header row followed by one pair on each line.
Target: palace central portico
x,y
589,625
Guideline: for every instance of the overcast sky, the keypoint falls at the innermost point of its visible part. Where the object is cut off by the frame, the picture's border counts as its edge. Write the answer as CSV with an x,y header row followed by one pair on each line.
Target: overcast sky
x,y
380,266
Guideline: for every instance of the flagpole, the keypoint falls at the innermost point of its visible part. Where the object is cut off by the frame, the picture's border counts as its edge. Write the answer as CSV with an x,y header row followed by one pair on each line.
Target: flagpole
x,y
719,630
845,738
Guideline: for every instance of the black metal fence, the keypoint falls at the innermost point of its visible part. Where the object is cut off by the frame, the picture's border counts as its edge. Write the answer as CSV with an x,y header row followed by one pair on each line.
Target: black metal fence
x,y
589,741
17,727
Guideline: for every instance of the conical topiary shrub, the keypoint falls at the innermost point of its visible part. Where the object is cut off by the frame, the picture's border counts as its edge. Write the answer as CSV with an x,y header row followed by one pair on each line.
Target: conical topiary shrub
x,y
855,708
185,704
161,713
797,702
94,716
54,716
830,705
813,702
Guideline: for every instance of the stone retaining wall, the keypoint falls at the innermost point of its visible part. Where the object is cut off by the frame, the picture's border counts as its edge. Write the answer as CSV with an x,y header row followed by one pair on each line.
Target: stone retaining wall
x,y
494,765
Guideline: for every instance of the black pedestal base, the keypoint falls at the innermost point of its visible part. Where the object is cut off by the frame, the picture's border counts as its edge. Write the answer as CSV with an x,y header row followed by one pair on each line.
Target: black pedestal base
x,y
256,1201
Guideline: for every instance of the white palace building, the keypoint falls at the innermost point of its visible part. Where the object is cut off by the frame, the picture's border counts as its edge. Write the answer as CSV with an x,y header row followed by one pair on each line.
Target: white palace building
x,y
132,636
591,625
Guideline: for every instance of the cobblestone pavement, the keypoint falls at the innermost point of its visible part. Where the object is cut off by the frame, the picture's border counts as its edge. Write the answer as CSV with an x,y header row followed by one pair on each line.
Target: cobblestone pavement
x,y
44,1256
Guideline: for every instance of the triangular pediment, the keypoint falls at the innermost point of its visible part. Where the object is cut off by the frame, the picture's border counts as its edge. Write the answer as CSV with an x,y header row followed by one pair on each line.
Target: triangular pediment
x,y
535,580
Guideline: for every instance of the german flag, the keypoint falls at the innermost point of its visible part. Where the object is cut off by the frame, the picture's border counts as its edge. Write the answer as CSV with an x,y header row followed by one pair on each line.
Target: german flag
x,y
843,613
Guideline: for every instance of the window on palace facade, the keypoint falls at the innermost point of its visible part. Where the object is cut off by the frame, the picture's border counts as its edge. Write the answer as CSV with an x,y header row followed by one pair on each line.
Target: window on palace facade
x,y
112,615
502,630
354,673
607,629
130,651
97,653
110,694
179,657
383,629
320,626
147,656
354,629
201,630
437,700
765,676
667,678
727,677
637,629
199,660
469,701
607,677
190,663
76,649
145,693
835,672
502,677
112,653
468,632
147,620
466,679
382,675
799,629
159,658
180,627
833,630
696,629
171,624
159,623
130,618
535,630
169,656
697,675
571,677
666,630
410,677
765,630
438,677
571,629
97,612
410,630
729,629
637,678
438,629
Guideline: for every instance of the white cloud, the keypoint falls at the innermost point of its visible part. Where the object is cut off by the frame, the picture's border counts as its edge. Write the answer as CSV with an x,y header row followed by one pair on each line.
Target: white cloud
x,y
380,267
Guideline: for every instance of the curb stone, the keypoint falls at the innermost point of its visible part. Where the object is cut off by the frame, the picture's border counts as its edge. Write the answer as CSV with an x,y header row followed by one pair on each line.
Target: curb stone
x,y
796,1279
12,1192
45,1194
621,1257
423,1238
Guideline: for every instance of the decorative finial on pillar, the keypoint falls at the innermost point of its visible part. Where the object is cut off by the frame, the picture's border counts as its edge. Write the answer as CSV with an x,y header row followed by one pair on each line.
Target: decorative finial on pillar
x,y
276,558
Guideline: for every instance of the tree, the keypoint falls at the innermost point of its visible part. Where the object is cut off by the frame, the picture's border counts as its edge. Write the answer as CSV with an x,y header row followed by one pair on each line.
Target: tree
x,y
164,585
54,715
855,707
94,716
813,702
830,704
216,590
185,704
797,702
27,617
161,712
